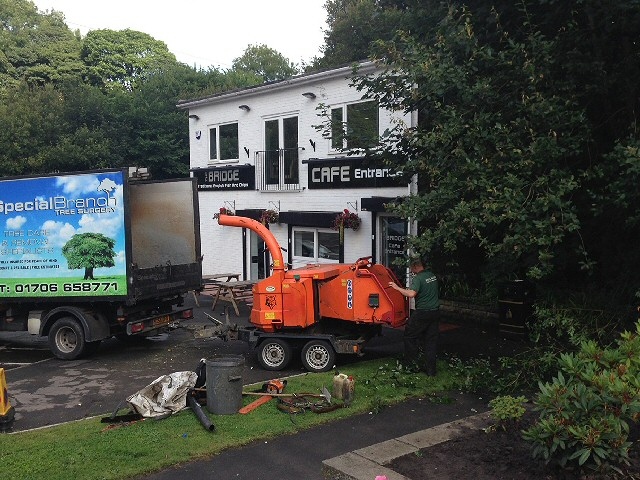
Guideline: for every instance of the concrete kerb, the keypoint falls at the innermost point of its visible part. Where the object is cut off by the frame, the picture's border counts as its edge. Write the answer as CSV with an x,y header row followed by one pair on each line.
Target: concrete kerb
x,y
369,462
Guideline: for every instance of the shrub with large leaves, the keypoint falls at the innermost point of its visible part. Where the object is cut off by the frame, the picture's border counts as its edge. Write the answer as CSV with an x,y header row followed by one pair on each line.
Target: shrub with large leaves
x,y
586,410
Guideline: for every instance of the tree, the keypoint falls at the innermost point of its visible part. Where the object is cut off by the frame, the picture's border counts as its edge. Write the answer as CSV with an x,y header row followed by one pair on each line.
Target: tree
x,y
353,26
498,150
89,251
121,58
526,150
34,47
265,63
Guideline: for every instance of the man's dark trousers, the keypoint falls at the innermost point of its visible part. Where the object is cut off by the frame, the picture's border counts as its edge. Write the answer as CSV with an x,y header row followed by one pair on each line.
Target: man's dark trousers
x,y
421,339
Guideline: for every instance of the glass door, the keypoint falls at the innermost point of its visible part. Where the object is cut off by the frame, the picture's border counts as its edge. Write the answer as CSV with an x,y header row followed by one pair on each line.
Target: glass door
x,y
281,151
260,258
393,232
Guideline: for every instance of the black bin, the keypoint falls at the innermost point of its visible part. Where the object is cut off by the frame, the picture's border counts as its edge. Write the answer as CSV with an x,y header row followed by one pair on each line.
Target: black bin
x,y
515,308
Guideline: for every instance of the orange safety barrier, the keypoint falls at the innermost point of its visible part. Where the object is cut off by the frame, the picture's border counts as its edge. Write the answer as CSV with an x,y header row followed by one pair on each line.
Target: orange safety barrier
x,y
7,412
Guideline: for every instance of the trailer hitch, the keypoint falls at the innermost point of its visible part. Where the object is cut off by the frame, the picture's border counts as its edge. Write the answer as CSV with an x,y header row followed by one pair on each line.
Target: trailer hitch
x,y
223,330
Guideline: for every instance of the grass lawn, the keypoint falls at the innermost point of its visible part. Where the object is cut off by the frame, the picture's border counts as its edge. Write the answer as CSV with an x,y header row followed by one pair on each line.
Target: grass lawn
x,y
89,449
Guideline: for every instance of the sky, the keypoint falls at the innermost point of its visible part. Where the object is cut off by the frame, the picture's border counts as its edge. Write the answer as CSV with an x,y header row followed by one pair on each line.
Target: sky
x,y
207,33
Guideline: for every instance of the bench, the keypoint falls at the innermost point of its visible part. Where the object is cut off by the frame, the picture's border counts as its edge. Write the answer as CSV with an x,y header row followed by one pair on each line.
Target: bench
x,y
213,278
232,292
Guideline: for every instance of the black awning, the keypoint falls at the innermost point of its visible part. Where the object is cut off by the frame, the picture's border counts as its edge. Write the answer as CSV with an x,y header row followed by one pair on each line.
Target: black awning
x,y
376,204
308,219
253,213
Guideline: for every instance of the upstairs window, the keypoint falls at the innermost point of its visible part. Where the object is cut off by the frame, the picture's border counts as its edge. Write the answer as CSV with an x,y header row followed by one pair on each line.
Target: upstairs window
x,y
223,143
354,126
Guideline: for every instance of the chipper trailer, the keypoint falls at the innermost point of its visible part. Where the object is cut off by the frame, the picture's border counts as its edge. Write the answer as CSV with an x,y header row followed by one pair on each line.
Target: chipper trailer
x,y
319,310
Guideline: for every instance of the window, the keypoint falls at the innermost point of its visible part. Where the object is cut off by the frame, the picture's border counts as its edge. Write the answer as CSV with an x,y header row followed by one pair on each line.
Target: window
x,y
354,126
223,143
315,245
281,151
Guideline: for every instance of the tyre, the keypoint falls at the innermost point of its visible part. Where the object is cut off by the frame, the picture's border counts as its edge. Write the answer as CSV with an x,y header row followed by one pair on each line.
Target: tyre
x,y
274,354
67,340
318,356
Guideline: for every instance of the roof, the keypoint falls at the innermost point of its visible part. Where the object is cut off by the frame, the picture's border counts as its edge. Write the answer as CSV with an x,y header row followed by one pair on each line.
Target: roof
x,y
298,80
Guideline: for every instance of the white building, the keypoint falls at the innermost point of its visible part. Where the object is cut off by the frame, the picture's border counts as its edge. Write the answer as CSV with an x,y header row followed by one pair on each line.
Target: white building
x,y
258,149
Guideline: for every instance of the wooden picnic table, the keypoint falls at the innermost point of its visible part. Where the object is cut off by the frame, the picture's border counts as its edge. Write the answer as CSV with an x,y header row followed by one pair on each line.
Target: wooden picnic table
x,y
212,279
233,292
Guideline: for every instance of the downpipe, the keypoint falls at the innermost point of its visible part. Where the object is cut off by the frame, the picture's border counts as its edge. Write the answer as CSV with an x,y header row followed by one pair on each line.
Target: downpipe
x,y
195,407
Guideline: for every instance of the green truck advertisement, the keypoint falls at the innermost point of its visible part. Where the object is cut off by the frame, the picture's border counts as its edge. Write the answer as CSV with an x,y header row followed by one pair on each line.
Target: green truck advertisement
x,y
63,236
89,255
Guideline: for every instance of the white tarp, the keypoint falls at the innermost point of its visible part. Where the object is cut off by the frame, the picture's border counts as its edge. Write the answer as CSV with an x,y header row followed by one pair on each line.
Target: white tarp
x,y
164,396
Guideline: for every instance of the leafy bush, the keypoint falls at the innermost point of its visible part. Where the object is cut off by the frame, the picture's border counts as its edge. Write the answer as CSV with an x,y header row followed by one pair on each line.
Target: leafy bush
x,y
585,411
507,410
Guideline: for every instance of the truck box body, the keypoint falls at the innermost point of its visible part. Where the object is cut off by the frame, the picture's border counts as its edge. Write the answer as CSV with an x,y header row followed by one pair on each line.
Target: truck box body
x,y
97,243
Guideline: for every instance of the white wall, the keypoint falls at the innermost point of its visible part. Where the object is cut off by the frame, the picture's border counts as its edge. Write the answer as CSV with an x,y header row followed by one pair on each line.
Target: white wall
x,y
221,246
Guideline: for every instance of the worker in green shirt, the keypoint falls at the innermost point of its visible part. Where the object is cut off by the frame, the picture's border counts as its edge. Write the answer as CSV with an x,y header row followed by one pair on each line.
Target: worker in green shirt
x,y
422,329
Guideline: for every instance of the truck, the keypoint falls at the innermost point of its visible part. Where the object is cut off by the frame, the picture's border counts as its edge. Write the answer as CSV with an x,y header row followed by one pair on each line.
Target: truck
x,y
319,310
85,256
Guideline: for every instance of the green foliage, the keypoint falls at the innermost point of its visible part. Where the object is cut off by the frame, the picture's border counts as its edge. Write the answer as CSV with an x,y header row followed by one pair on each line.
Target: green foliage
x,y
507,410
35,48
352,27
107,100
585,411
475,375
265,63
122,58
519,105
492,175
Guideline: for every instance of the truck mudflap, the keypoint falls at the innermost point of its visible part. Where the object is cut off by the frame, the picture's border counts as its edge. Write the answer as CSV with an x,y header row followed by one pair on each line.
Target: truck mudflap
x,y
159,321
341,345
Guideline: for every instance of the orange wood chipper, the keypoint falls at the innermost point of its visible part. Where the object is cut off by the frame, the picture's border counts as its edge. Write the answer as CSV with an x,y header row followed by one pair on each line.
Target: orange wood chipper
x,y
319,309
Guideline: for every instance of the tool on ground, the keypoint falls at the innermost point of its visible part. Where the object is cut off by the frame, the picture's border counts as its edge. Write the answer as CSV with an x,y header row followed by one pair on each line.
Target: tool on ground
x,y
324,395
268,391
296,404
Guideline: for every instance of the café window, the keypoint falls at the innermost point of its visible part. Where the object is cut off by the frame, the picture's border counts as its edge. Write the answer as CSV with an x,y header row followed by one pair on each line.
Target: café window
x,y
355,126
315,245
223,143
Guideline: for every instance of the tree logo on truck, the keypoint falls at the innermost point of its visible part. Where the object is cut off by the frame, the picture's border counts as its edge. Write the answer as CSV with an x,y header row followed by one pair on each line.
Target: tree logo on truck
x,y
89,251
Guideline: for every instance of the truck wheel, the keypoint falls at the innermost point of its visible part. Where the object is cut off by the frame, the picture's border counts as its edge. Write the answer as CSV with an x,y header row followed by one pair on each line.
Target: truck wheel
x,y
318,356
66,339
274,354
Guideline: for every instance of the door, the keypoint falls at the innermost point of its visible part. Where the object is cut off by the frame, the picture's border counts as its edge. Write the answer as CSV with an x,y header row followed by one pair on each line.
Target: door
x,y
281,151
393,232
259,257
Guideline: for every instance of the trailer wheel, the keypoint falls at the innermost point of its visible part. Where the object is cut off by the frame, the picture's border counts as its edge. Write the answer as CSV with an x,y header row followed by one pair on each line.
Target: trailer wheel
x,y
318,356
66,339
274,354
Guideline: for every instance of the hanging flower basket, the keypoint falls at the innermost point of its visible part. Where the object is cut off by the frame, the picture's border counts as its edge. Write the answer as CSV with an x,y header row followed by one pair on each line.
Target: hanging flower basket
x,y
223,211
269,216
346,219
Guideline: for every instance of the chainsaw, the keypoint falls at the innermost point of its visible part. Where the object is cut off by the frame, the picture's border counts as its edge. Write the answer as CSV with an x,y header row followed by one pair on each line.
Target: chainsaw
x,y
268,390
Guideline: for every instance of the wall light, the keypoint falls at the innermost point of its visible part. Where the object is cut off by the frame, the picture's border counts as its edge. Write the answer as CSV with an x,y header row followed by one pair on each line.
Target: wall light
x,y
309,95
244,107
194,116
